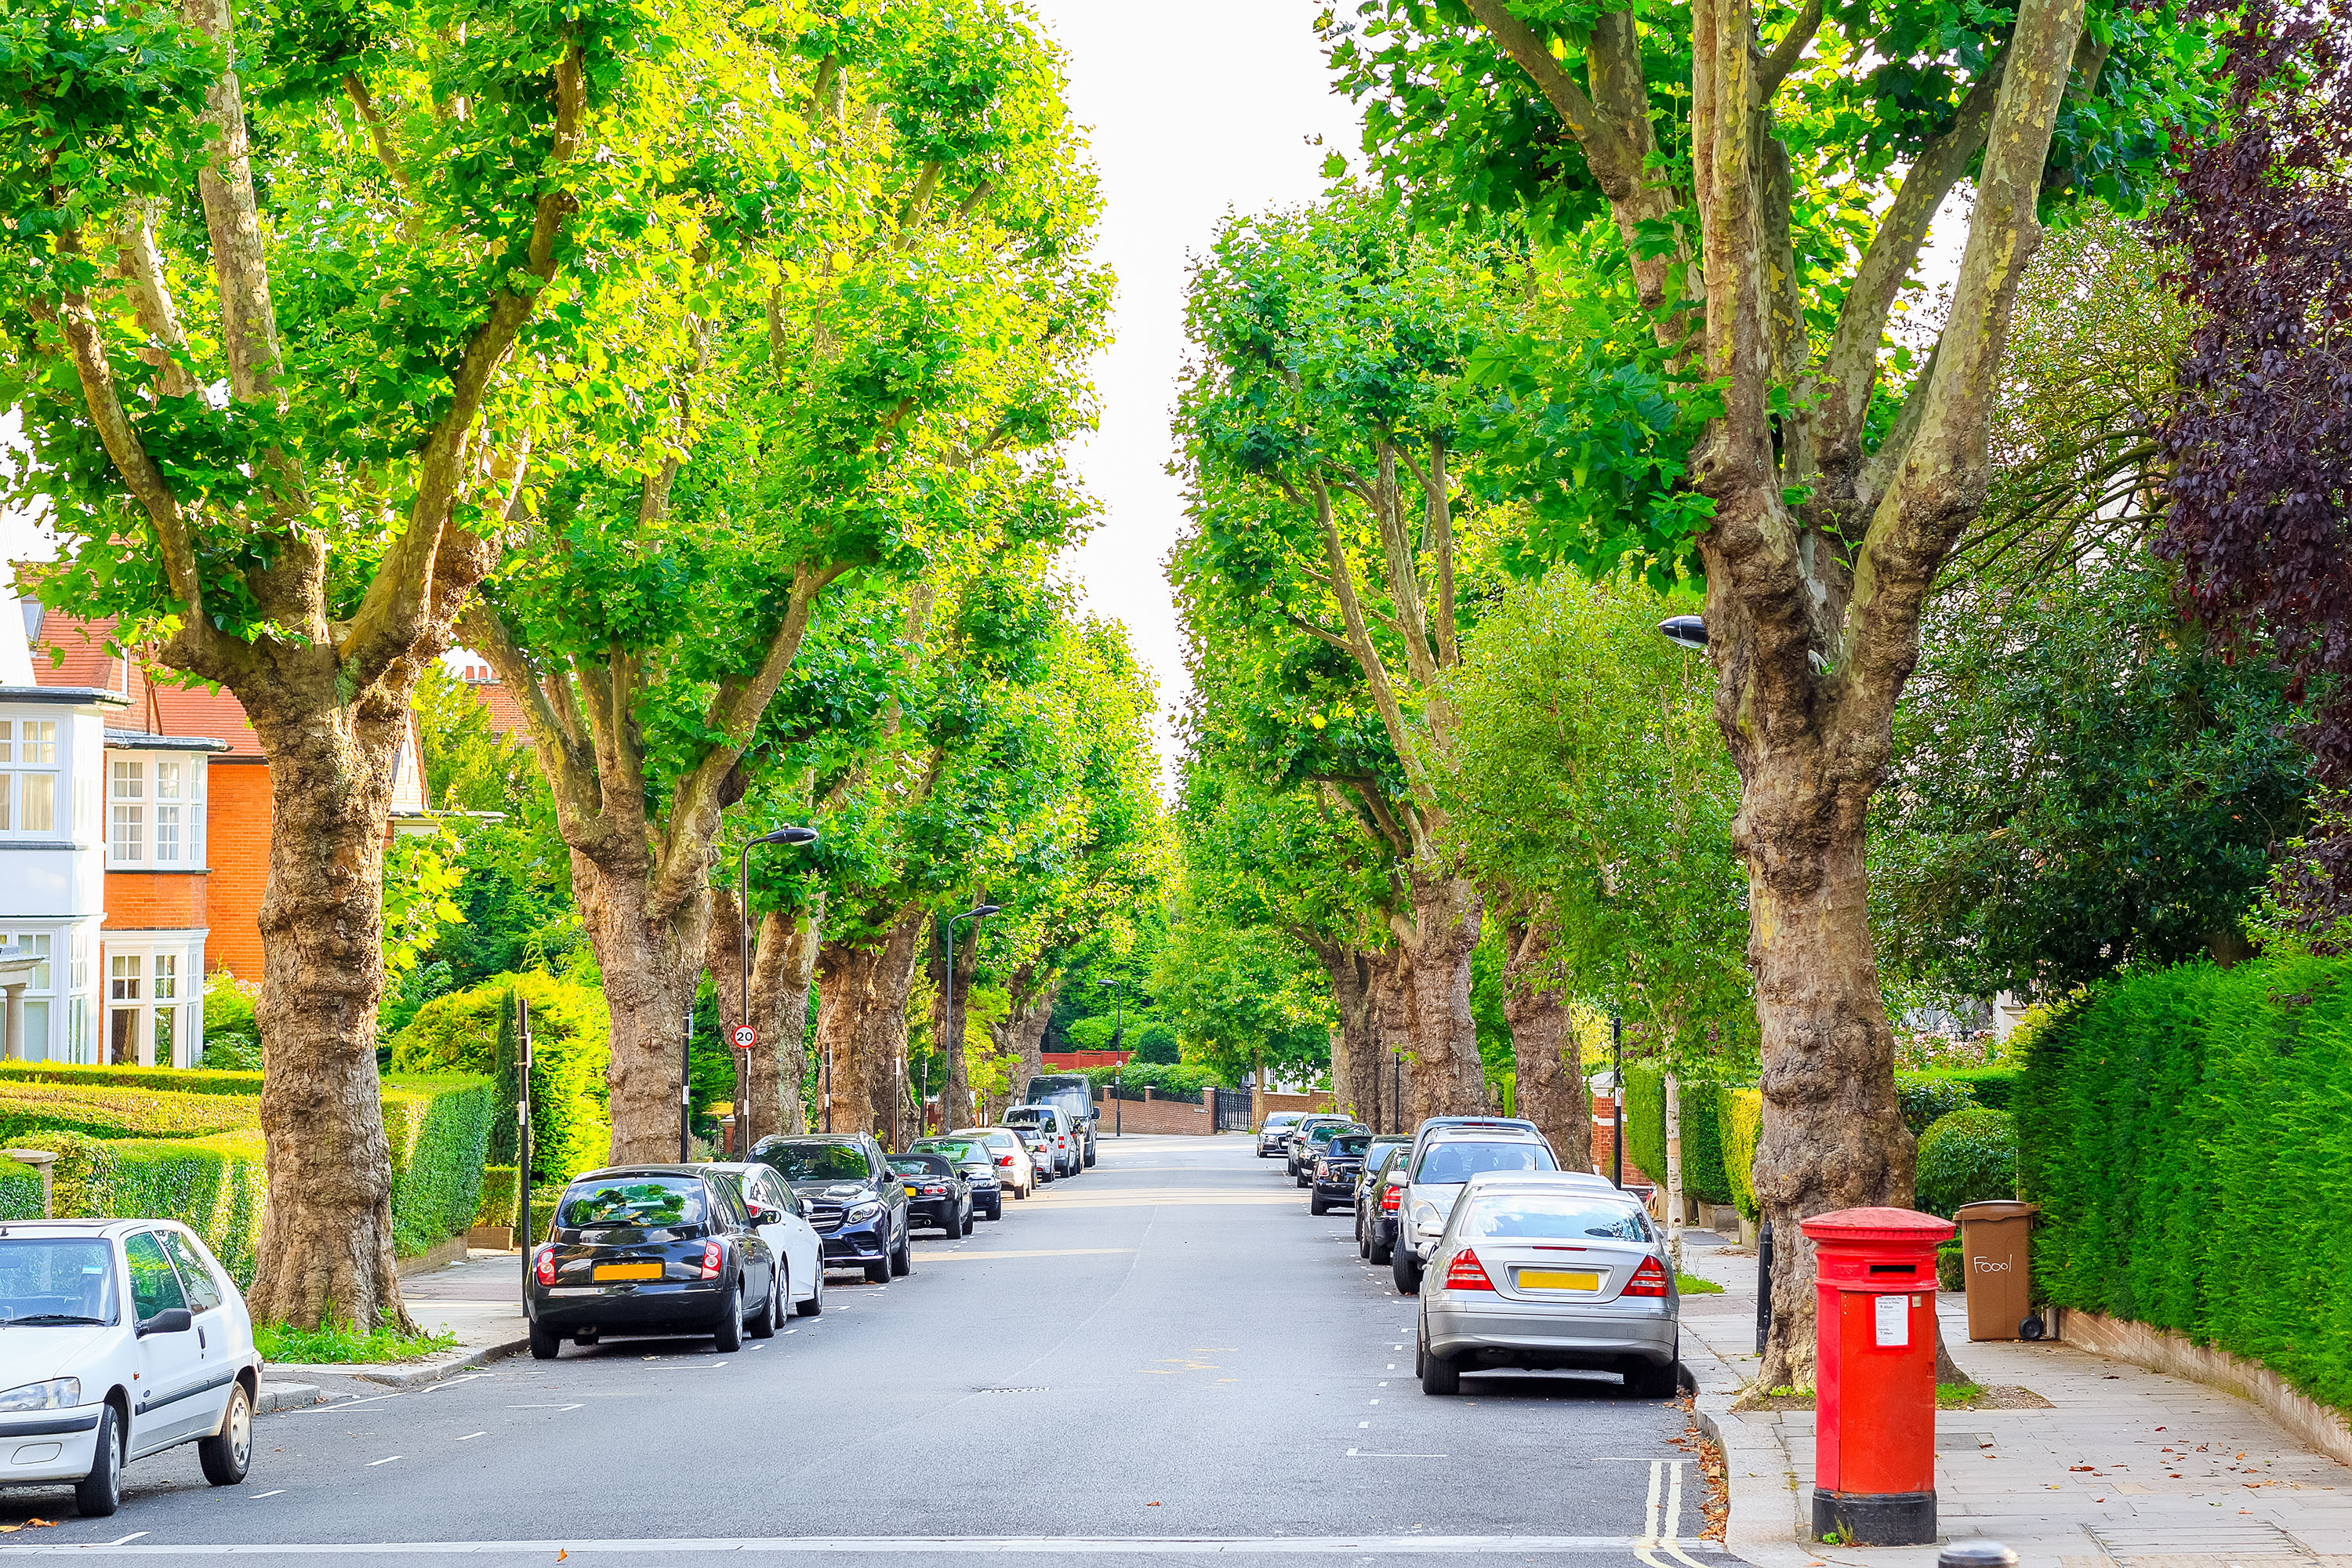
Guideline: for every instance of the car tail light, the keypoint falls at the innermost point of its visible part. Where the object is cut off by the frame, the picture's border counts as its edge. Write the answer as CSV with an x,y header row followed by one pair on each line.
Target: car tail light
x,y
1392,1200
1468,1273
933,1192
544,1270
712,1255
1322,1167
1649,1279
1004,1159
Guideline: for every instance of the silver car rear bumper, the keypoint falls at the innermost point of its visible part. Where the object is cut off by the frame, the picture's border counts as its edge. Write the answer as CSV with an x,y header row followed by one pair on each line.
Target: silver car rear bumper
x,y
1604,1332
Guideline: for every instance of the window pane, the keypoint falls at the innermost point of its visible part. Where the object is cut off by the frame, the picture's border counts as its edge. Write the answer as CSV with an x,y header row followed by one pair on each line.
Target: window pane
x,y
164,1033
154,1288
122,1037
200,1281
167,780
38,794
40,946
130,778
123,972
8,794
167,833
7,740
167,977
41,742
129,832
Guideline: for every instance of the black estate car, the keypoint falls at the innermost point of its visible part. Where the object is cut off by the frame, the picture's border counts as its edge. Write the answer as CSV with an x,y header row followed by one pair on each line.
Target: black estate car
x,y
651,1250
1383,1203
1364,1197
937,1192
977,1161
1331,1182
856,1203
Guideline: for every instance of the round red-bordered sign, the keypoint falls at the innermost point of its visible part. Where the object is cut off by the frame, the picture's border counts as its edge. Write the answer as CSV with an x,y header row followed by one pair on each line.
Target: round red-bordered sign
x,y
743,1037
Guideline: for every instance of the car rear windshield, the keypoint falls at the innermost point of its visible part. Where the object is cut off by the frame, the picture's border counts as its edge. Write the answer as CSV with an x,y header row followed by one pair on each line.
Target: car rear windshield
x,y
1029,1116
57,1281
645,1203
966,1152
1350,1144
815,1162
921,1165
1325,1133
1553,1216
1444,1164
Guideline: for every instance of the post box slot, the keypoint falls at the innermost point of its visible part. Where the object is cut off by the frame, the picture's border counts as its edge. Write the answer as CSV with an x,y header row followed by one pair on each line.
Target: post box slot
x,y
1895,1268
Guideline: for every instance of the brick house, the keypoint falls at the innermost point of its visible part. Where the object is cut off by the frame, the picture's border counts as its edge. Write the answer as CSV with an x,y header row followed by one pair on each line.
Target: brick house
x,y
134,844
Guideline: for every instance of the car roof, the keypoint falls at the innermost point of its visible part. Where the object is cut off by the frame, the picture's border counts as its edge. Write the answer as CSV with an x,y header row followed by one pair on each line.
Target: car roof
x,y
1485,1133
647,1170
91,1227
1578,1181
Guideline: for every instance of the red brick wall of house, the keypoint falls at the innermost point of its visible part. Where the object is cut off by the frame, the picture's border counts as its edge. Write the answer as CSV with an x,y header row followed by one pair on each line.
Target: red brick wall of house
x,y
238,815
1265,1105
156,900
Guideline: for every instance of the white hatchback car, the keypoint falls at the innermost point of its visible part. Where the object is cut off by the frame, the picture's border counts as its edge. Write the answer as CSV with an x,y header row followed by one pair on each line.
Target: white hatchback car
x,y
118,1339
776,1215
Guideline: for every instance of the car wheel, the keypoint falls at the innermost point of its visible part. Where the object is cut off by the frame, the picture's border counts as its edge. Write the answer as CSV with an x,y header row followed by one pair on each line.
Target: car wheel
x,y
878,1272
1304,1179
1090,1151
1376,1252
1405,1268
762,1325
996,1209
902,1259
729,1334
543,1344
229,1453
815,1306
1439,1374
1317,1208
99,1493
1647,1379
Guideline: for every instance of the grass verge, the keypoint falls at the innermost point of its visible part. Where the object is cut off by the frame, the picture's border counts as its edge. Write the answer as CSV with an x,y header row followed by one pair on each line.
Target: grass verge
x,y
1692,1285
342,1342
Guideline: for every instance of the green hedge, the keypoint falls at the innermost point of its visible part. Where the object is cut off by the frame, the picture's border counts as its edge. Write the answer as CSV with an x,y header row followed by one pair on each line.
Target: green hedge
x,y
2185,1133
1993,1087
20,1191
1739,1112
497,1202
571,1034
1967,1157
104,1112
1645,1132
177,1080
438,1129
213,1186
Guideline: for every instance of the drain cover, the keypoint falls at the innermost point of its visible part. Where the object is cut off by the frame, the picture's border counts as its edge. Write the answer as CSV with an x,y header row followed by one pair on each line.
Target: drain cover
x,y
2231,1540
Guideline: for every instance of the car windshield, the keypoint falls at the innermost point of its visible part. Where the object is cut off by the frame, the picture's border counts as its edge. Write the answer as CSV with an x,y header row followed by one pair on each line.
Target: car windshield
x,y
964,1152
1350,1144
1554,1216
1282,1119
1035,1116
651,1202
994,1139
1444,1163
815,1162
55,1281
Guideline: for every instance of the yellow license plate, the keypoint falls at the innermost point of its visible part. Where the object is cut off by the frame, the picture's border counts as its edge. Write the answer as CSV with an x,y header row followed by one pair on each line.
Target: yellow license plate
x,y
626,1271
1558,1280
912,1193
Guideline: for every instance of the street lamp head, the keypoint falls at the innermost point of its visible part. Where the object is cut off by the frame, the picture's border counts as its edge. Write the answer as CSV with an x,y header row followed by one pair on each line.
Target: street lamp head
x,y
1105,985
979,911
1684,631
788,835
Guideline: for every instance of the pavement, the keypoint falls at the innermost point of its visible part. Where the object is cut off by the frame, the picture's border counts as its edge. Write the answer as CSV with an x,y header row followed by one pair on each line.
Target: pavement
x,y
2127,1468
1167,1359
478,1300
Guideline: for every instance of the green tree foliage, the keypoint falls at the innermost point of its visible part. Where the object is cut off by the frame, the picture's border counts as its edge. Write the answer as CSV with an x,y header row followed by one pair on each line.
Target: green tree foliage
x,y
570,1030
1967,1156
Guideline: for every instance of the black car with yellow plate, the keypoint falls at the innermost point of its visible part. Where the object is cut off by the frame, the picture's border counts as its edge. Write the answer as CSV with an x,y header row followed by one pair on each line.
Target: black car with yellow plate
x,y
652,1249
937,1192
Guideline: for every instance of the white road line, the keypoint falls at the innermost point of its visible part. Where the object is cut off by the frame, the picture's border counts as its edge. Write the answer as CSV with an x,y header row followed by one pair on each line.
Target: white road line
x,y
883,1546
1362,1424
127,1539
555,1408
388,1458
1675,1521
469,1437
277,1492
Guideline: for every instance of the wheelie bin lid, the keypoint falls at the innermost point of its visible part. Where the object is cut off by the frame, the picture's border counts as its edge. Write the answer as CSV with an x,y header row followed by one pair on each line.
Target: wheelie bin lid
x,y
1996,1208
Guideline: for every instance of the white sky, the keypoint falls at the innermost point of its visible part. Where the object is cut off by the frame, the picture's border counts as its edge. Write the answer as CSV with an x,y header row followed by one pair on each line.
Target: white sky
x,y
1189,121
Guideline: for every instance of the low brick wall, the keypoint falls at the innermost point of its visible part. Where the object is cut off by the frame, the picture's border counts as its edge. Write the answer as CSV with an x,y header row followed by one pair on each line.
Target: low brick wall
x,y
1264,1105
1154,1116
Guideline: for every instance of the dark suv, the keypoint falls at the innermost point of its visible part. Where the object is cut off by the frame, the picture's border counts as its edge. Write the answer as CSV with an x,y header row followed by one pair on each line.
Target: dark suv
x,y
1312,1144
1074,1095
1331,1181
852,1198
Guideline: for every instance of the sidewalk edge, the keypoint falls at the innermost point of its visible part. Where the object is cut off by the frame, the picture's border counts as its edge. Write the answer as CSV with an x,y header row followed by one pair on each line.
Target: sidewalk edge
x,y
1761,1526
409,1376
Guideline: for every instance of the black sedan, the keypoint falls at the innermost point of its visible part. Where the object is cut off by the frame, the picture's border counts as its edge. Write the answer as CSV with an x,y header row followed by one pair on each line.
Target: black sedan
x,y
1367,1166
1331,1184
652,1249
977,1161
1381,1203
937,1192
857,1203
1312,1144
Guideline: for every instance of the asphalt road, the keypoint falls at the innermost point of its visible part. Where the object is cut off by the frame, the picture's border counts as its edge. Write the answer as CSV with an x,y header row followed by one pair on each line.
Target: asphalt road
x,y
1166,1359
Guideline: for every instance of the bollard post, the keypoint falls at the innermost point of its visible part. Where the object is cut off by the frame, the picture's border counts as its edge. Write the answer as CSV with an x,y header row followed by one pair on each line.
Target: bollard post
x,y
1975,1555
1763,1285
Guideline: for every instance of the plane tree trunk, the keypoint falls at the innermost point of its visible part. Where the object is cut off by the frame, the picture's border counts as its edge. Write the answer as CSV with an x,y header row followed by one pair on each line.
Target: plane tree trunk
x,y
861,1021
1443,1073
1546,1055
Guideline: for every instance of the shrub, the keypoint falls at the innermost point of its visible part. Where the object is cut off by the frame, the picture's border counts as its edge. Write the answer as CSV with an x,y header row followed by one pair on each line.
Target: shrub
x,y
1645,1121
2178,1113
1155,1043
1966,1157
1741,1114
20,1191
1702,1140
1181,1078
496,1205
1994,1087
1927,1098
571,1034
232,1033
437,1128
176,1081
213,1186
103,1111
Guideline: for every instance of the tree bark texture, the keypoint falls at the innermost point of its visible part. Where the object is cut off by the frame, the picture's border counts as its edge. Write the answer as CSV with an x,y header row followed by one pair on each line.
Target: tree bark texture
x,y
783,968
861,1021
652,958
326,1244
1359,1062
1443,1073
1548,1059
1021,1035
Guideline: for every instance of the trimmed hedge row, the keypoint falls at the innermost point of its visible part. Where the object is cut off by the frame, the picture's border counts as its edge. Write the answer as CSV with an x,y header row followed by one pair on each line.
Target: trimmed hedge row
x,y
1967,1157
177,1080
1645,1132
20,1191
439,1136
104,1112
1739,1112
497,1205
2173,1118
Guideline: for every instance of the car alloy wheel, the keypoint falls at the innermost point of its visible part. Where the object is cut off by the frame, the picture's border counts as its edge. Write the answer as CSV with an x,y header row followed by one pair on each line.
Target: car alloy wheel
x,y
99,1493
229,1453
729,1335
815,1306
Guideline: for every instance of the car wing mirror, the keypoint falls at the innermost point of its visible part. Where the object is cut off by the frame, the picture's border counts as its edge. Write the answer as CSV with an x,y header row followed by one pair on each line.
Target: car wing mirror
x,y
170,1320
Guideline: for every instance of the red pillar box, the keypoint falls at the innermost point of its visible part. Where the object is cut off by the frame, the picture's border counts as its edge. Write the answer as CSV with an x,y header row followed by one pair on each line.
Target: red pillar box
x,y
1874,1378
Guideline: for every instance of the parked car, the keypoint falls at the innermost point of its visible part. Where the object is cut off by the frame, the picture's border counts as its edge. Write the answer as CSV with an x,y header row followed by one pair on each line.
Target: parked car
x,y
1312,1144
125,1337
1016,1173
652,1249
1039,1146
1331,1184
937,1194
1061,1140
1382,1204
1367,1165
1442,1159
1549,1271
1073,1094
854,1200
776,1215
1298,1134
977,1162
1274,1134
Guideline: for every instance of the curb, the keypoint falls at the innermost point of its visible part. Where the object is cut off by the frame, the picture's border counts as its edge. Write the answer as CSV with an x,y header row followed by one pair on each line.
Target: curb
x,y
394,1376
277,1396
1760,1525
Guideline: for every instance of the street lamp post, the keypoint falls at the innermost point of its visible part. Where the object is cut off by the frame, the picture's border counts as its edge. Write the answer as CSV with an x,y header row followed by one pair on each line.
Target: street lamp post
x,y
1396,1090
1117,1069
1617,1097
744,1034
977,912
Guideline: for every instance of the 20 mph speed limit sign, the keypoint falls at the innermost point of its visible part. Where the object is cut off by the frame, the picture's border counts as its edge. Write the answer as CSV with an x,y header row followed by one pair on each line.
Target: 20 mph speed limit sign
x,y
742,1036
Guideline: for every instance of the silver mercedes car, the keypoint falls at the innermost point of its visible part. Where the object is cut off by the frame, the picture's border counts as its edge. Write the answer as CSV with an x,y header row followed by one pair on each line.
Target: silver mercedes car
x,y
1548,1270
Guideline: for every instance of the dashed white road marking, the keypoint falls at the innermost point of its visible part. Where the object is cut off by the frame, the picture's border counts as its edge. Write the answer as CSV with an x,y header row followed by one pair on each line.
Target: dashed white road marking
x,y
388,1458
469,1437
